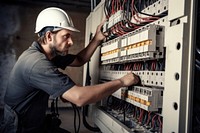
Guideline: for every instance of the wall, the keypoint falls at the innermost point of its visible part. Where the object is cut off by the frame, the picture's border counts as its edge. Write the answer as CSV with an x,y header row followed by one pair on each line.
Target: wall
x,y
17,33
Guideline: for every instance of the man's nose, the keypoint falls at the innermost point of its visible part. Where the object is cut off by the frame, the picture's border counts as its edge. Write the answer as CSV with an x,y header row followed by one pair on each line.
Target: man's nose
x,y
70,42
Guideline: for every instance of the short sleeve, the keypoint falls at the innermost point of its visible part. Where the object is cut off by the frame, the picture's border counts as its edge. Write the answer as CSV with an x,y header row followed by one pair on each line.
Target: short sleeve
x,y
45,76
63,61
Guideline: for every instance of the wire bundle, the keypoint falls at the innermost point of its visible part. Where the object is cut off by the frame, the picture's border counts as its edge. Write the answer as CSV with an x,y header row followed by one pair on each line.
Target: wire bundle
x,y
131,18
151,120
151,65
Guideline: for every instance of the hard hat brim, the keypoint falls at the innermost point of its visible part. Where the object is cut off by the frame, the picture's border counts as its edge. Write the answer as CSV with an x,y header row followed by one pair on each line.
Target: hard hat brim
x,y
60,28
71,29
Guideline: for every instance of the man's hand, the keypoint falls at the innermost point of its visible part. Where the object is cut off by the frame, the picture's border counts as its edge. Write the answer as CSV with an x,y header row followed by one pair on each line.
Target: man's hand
x,y
99,35
129,79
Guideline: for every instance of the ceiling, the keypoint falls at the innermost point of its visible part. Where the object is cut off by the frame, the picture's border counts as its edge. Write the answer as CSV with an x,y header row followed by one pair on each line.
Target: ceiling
x,y
78,5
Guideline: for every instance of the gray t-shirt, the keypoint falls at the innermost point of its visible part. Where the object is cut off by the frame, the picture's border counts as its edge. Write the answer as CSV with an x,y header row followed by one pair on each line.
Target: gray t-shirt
x,y
32,80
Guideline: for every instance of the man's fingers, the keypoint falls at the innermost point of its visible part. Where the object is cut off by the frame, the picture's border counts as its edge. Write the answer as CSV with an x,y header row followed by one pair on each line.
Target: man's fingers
x,y
103,20
136,78
102,23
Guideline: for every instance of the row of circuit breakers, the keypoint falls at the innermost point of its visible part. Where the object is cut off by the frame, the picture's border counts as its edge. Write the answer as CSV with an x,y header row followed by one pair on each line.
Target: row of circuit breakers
x,y
144,43
141,51
147,98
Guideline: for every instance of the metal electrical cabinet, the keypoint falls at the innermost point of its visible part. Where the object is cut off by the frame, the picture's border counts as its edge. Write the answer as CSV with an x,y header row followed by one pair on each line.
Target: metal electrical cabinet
x,y
157,43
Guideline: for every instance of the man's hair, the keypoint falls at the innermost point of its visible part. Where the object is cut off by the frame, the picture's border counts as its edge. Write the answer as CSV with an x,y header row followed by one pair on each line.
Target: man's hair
x,y
42,39
41,34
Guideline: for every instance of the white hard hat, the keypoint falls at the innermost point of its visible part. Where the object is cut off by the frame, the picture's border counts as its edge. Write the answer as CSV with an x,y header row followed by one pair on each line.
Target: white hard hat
x,y
54,17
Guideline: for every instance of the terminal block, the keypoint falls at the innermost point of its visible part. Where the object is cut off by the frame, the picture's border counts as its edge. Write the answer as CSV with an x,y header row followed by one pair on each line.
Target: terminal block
x,y
142,44
147,98
148,78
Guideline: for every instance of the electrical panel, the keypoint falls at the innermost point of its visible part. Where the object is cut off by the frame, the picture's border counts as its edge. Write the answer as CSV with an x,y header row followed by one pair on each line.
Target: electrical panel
x,y
148,39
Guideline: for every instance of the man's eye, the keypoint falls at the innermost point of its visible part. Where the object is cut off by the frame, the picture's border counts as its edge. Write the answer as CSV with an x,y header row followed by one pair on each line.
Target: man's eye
x,y
66,36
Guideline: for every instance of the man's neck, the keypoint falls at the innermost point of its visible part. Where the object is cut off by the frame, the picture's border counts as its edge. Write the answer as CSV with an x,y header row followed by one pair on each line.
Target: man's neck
x,y
48,51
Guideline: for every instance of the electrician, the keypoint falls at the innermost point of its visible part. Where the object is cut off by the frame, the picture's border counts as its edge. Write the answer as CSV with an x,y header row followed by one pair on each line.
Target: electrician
x,y
35,76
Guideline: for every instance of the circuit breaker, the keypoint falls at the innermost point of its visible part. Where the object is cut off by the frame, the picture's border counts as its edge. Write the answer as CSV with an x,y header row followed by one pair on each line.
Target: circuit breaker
x,y
151,39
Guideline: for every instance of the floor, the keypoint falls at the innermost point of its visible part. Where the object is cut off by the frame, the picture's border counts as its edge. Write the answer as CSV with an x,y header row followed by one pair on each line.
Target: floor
x,y
66,116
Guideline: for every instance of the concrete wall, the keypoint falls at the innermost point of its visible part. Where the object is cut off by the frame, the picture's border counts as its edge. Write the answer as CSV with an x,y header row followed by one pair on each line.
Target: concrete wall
x,y
17,33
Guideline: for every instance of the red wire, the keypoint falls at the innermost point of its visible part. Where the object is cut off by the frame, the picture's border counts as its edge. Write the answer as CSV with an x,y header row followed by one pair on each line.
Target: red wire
x,y
134,67
140,68
146,18
160,126
132,24
113,7
120,5
152,123
119,29
153,66
125,28
137,66
117,3
130,65
141,114
123,4
126,67
149,114
135,13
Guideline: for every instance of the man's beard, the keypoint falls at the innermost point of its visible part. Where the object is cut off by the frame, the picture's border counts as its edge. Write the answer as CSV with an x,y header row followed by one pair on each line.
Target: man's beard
x,y
55,52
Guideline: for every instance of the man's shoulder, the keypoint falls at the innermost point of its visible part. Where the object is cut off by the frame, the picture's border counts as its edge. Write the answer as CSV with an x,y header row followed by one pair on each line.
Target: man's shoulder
x,y
34,49
32,54
31,59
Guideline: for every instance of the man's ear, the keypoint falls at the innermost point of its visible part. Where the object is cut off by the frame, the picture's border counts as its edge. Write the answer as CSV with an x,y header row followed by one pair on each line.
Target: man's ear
x,y
48,36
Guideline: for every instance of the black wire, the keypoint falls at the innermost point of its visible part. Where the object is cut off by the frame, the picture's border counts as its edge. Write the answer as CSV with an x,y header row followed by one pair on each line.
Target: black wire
x,y
138,9
109,7
128,8
198,51
198,67
85,123
79,119
74,117
124,112
52,107
75,108
160,16
105,8
57,107
109,100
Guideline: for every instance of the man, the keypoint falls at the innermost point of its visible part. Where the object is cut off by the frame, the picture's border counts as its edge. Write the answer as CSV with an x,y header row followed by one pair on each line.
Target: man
x,y
35,75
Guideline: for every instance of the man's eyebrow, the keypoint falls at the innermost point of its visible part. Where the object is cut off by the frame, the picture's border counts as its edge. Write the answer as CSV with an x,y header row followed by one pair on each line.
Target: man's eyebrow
x,y
67,34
